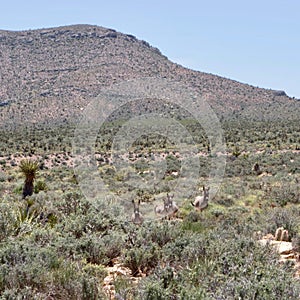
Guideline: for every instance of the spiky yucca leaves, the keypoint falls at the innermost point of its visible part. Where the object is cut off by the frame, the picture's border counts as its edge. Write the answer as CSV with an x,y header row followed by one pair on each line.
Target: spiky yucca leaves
x,y
29,168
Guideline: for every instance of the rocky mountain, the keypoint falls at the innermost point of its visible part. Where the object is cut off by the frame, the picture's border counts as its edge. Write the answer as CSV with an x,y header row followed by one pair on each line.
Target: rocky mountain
x,y
49,75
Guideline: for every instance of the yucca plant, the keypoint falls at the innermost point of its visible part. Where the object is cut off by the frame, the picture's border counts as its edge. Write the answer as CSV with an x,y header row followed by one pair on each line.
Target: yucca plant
x,y
29,168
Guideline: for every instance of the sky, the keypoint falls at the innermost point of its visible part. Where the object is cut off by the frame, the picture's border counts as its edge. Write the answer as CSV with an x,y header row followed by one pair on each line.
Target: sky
x,y
255,42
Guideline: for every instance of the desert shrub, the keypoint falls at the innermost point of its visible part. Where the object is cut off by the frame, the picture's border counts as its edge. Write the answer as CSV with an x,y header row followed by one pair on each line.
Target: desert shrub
x,y
141,259
23,266
72,202
7,219
75,225
153,290
40,186
220,265
238,166
185,249
144,245
29,269
193,217
18,217
204,166
24,219
173,164
224,200
144,195
99,250
18,190
288,218
125,289
284,194
162,233
242,269
191,224
159,233
141,165
3,177
296,243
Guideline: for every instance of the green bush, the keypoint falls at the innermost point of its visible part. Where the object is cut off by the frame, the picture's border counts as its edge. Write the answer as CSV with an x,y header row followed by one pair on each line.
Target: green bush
x,y
141,259
40,186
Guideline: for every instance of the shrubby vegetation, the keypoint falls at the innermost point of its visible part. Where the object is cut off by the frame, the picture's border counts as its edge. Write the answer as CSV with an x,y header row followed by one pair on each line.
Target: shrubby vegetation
x,y
56,243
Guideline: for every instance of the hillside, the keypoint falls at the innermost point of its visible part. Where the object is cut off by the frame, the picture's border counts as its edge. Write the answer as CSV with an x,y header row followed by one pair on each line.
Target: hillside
x,y
49,75
142,222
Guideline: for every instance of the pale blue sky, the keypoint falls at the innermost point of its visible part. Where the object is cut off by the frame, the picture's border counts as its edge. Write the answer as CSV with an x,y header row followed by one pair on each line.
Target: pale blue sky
x,y
256,42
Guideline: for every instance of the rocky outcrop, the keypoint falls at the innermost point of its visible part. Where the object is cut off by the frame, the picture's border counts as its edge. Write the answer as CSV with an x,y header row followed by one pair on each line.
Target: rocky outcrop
x,y
280,93
51,73
285,249
115,272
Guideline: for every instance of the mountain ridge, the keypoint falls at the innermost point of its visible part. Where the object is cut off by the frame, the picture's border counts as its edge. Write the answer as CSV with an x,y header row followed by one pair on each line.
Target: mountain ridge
x,y
50,74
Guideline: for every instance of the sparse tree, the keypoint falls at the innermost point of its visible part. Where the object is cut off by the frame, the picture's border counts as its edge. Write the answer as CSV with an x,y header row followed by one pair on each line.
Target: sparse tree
x,y
29,168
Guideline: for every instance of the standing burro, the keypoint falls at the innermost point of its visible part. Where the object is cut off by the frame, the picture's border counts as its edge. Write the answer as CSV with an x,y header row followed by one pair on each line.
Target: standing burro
x,y
137,217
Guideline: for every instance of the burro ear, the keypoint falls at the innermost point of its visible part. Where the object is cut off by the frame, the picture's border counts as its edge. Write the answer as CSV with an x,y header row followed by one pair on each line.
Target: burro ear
x,y
204,188
132,201
139,201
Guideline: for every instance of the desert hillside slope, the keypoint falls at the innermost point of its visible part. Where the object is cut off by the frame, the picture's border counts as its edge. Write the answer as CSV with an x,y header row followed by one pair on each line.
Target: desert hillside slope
x,y
49,75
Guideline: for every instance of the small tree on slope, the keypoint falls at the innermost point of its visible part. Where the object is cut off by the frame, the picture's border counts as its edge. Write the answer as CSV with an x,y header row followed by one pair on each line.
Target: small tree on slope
x,y
29,169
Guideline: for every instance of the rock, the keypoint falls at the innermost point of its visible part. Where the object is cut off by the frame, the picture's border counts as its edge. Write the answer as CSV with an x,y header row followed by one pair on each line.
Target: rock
x,y
112,35
280,93
113,273
288,257
108,280
286,251
282,247
269,237
4,103
108,287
